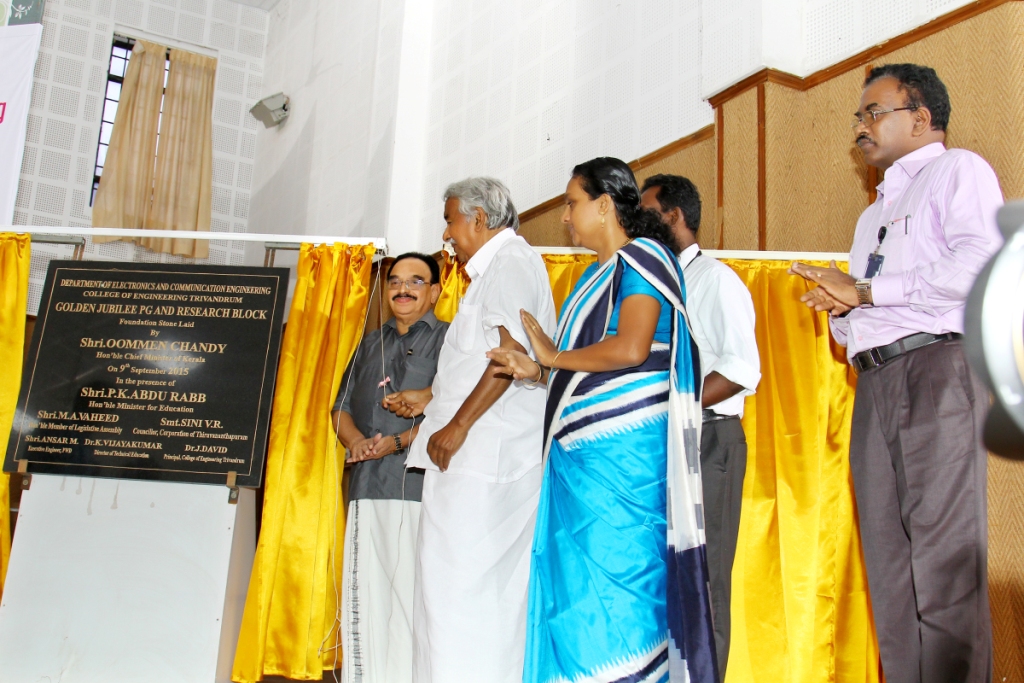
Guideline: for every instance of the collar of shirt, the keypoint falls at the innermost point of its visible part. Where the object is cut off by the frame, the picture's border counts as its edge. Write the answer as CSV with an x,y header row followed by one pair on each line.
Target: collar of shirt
x,y
477,265
688,255
909,166
429,318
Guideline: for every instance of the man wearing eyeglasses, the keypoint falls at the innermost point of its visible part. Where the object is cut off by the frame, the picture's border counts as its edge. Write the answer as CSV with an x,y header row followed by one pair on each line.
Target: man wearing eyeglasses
x,y
384,508
916,455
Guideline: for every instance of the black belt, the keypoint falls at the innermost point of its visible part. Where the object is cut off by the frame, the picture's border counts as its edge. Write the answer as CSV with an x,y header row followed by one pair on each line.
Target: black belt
x,y
880,355
711,416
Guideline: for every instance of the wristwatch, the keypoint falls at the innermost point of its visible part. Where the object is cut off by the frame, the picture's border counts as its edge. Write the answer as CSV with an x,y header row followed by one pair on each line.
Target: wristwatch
x,y
863,288
398,442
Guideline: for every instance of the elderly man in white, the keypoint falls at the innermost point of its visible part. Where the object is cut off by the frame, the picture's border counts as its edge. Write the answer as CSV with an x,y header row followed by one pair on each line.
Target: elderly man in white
x,y
480,444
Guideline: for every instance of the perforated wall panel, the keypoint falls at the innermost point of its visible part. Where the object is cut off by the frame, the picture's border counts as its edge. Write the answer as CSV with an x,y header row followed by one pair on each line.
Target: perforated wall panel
x,y
63,127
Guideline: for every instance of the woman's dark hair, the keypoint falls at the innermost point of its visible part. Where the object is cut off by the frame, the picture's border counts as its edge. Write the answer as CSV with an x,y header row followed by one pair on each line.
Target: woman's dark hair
x,y
923,86
435,271
614,177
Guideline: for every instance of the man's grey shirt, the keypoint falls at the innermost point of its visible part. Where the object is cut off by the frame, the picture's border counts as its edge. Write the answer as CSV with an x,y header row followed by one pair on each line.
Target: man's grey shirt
x,y
410,361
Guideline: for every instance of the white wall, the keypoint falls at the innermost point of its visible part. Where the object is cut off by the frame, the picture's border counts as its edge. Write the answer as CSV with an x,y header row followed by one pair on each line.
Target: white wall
x,y
67,100
394,100
525,90
741,37
326,170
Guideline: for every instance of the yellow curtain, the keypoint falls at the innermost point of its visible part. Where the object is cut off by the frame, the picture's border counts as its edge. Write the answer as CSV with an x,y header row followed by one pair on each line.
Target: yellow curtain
x,y
184,157
288,628
454,282
14,264
126,186
563,271
800,610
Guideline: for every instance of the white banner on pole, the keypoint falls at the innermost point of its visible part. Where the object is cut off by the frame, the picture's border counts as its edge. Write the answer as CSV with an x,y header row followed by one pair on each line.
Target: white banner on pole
x,y
19,46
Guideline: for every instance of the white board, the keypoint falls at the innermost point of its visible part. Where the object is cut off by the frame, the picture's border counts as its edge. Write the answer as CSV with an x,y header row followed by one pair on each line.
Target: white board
x,y
119,580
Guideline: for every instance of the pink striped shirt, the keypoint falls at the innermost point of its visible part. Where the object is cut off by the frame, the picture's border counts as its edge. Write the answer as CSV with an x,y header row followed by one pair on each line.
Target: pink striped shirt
x,y
939,210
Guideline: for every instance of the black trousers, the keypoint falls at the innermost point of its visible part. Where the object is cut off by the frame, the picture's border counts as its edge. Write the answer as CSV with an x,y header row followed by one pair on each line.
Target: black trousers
x,y
723,463
919,472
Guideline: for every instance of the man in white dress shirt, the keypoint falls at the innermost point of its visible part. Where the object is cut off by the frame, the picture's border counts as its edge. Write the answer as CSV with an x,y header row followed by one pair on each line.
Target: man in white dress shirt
x,y
480,444
722,317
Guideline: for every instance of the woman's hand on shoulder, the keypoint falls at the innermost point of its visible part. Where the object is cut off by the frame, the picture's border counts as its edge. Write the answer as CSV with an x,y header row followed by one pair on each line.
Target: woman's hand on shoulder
x,y
515,363
543,346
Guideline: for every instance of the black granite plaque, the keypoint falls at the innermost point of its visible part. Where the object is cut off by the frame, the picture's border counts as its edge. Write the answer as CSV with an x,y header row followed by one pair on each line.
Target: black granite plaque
x,y
151,371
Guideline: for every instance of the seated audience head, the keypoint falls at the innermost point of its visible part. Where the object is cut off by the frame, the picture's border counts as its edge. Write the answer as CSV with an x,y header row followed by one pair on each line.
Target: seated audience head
x,y
903,108
677,201
602,208
475,209
413,286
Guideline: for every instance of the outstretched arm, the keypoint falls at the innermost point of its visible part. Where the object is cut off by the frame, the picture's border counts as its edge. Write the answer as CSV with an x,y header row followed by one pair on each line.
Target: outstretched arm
x,y
638,321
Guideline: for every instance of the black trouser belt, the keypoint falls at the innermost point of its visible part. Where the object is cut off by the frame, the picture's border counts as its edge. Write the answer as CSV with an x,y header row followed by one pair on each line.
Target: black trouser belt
x,y
880,355
711,416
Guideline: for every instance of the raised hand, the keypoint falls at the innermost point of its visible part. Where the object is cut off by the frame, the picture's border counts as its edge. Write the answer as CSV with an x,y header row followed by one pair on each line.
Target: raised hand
x,y
543,346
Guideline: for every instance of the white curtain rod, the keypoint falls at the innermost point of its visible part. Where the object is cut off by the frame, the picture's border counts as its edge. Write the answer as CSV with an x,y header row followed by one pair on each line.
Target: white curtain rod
x,y
730,253
380,243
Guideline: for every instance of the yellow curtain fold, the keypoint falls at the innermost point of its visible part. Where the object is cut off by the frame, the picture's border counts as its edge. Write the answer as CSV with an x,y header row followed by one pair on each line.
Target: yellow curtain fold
x,y
126,186
184,158
563,271
288,628
800,608
454,282
15,253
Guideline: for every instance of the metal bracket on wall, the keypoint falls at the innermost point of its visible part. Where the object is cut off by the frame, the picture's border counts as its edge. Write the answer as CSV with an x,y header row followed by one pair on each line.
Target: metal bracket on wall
x,y
78,242
26,478
232,488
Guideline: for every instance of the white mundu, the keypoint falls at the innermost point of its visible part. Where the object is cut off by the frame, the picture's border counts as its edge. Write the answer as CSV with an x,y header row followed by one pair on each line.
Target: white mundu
x,y
721,315
477,518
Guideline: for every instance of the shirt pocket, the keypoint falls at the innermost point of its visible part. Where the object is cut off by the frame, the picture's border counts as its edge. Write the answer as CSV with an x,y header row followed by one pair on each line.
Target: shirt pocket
x,y
418,372
466,333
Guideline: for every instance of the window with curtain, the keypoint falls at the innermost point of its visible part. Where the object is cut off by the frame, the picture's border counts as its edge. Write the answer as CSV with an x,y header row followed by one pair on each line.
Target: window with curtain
x,y
157,157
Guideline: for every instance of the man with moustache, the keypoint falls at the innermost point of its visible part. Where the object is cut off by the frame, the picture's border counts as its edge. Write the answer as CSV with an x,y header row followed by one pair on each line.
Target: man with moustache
x,y
916,454
480,444
721,314
384,508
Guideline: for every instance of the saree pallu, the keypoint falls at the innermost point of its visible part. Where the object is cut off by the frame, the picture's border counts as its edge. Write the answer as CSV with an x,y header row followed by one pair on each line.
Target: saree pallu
x,y
618,585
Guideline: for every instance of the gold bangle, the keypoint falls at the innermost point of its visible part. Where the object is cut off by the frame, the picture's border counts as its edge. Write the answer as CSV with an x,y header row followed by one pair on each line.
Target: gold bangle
x,y
540,376
555,359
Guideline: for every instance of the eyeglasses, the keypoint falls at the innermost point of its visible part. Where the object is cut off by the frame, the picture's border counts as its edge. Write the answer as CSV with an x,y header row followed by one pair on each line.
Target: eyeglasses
x,y
414,283
859,119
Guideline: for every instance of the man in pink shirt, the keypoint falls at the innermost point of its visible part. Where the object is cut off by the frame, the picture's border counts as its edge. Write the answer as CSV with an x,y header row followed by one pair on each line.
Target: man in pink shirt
x,y
916,455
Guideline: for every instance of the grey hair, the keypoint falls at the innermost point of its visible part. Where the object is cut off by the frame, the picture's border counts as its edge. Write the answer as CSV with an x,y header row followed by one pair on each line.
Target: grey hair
x,y
488,194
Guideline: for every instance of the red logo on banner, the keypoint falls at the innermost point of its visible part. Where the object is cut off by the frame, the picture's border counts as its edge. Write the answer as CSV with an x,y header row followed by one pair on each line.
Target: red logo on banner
x,y
3,110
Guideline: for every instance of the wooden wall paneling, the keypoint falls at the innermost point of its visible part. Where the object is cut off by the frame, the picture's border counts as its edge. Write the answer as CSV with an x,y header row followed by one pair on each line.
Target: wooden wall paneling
x,y
815,187
762,234
696,162
692,156
719,180
740,172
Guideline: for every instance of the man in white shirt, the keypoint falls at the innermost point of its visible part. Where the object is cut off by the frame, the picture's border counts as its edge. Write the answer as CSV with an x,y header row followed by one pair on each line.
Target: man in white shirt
x,y
480,444
721,314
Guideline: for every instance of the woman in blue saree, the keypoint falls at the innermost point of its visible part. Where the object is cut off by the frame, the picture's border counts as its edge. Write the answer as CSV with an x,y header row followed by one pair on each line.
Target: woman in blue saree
x,y
618,580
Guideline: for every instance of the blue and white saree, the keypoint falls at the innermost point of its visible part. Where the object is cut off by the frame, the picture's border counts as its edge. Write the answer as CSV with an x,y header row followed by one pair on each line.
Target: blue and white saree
x,y
618,581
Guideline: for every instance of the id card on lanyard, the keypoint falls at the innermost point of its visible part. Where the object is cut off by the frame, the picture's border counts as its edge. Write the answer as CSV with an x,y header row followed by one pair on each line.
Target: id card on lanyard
x,y
875,260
